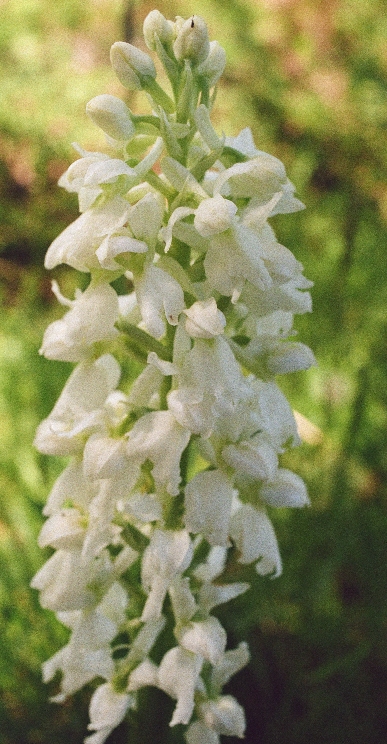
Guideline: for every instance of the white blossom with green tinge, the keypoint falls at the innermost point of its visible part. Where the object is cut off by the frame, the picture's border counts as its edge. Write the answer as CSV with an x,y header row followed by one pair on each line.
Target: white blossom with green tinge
x,y
172,475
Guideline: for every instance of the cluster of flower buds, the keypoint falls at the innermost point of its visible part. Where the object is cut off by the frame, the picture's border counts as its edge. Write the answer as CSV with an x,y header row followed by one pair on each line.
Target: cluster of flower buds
x,y
166,473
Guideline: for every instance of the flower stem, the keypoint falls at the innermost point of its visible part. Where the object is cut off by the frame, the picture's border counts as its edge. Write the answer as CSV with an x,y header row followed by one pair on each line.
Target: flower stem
x,y
141,343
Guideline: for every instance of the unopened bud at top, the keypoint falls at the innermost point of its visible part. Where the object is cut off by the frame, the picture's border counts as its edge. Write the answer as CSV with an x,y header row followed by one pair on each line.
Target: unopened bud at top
x,y
213,66
156,25
112,116
192,40
133,67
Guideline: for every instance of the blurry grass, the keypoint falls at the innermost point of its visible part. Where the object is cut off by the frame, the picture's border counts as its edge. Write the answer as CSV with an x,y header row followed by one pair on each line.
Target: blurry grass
x,y
28,634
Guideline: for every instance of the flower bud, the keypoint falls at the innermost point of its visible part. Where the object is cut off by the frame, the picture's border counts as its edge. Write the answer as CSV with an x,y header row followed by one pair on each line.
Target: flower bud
x,y
132,66
192,40
214,216
112,116
213,66
156,25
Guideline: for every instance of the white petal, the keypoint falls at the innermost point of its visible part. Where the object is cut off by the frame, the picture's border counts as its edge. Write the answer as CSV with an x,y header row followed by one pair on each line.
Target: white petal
x,y
243,142
107,707
183,601
224,715
91,319
157,27
159,297
99,737
287,489
204,320
150,159
77,244
159,438
145,640
79,409
167,556
213,566
255,538
288,297
166,368
52,666
234,258
145,219
71,487
204,637
192,40
214,215
73,178
59,296
65,529
178,674
208,498
78,667
198,733
144,675
277,416
93,630
177,214
145,389
118,245
230,663
290,357
114,604
62,582
260,177
104,456
181,178
256,459
144,506
107,171
210,382
212,595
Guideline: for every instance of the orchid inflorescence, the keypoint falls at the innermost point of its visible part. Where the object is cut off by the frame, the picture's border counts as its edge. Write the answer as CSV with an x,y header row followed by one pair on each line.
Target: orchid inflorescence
x,y
170,476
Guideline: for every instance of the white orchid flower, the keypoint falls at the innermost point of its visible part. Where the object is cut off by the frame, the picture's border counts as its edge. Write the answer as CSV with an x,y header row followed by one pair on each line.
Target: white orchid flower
x,y
166,557
91,318
190,309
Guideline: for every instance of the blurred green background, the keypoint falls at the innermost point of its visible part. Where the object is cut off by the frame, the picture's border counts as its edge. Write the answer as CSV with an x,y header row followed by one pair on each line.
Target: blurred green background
x,y
309,77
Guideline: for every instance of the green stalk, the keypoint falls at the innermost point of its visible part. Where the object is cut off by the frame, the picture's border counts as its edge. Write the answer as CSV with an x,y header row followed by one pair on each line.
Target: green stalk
x,y
159,95
160,185
141,343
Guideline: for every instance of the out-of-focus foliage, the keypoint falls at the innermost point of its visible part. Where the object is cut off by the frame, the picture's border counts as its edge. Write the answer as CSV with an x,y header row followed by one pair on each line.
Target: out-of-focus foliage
x,y
54,57
309,77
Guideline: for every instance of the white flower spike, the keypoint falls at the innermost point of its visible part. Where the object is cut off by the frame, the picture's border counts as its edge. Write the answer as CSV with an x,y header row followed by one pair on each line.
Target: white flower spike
x,y
172,474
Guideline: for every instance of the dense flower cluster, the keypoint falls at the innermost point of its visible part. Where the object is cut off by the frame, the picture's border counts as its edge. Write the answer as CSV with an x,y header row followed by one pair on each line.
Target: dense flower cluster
x,y
167,473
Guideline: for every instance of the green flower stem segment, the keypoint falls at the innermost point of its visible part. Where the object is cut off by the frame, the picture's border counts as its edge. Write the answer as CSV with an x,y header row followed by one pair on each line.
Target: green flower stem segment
x,y
164,188
142,343
169,478
154,121
159,96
